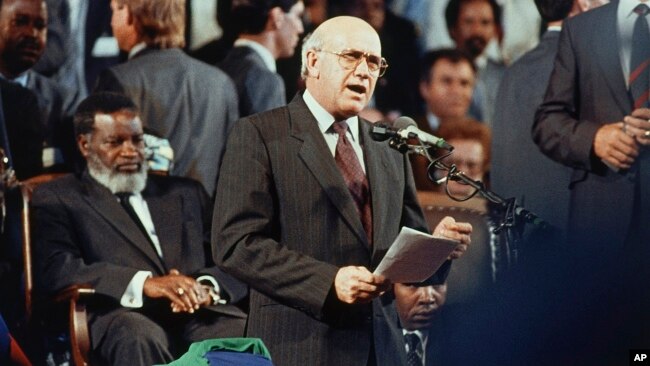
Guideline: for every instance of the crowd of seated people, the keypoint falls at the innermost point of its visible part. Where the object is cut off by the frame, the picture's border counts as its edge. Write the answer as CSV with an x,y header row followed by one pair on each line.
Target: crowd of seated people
x,y
134,70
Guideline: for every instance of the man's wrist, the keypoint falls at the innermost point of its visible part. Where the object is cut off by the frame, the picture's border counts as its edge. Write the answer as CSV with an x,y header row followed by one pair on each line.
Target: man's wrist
x,y
212,289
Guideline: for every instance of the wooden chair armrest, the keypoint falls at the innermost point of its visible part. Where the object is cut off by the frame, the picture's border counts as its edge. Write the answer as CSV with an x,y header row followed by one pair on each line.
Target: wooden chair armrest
x,y
79,334
74,293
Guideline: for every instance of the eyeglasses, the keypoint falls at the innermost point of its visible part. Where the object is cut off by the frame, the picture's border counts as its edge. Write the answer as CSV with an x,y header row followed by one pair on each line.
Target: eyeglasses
x,y
350,59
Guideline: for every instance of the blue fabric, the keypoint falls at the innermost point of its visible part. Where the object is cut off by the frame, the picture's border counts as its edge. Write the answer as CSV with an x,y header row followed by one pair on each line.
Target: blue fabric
x,y
241,351
5,342
227,358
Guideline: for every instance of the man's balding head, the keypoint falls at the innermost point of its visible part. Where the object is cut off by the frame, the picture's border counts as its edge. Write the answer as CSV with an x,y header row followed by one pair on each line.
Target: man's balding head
x,y
338,84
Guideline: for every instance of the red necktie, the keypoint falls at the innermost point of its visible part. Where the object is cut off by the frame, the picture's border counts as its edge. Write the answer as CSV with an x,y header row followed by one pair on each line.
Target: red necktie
x,y
354,177
640,60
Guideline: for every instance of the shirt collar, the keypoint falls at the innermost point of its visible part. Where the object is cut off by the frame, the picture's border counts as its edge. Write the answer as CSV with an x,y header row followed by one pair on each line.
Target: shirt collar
x,y
422,334
325,119
554,28
20,79
137,48
262,51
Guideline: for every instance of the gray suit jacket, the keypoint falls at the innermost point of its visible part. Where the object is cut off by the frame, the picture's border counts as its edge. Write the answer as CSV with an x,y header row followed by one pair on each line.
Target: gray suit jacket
x,y
184,100
286,224
586,90
258,88
519,169
85,236
485,91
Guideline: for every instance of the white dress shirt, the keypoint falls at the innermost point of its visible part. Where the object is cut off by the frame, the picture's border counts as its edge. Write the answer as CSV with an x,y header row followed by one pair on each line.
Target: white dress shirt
x,y
625,19
132,297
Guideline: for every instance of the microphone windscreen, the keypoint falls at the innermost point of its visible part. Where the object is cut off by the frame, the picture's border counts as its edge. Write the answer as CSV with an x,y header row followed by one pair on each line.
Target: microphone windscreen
x,y
404,122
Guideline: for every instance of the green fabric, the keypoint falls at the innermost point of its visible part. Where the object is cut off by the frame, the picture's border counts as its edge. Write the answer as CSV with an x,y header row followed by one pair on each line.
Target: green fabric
x,y
194,355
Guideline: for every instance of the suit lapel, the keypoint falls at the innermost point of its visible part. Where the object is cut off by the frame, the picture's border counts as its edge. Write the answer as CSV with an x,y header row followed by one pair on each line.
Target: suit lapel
x,y
168,227
610,62
107,206
378,167
316,155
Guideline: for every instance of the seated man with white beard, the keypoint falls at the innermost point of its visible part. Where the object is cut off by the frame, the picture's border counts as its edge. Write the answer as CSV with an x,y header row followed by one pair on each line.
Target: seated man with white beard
x,y
143,243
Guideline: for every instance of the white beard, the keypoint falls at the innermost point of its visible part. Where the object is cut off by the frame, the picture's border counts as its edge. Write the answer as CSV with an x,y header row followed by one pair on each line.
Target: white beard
x,y
117,181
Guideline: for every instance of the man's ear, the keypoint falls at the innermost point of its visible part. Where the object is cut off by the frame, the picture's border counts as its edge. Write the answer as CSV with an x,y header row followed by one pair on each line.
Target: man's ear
x,y
275,19
453,34
313,64
424,90
82,143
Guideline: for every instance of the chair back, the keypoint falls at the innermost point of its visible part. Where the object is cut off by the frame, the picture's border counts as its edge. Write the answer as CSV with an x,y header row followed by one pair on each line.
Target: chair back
x,y
26,189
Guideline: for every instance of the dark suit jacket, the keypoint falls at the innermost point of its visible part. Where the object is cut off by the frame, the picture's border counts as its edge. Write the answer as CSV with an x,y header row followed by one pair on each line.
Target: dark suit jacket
x,y
586,90
518,168
286,224
83,235
98,24
57,106
24,129
188,102
390,343
258,88
397,89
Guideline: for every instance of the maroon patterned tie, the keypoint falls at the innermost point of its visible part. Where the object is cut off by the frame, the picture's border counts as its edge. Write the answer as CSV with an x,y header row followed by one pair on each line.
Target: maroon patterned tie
x,y
355,179
640,60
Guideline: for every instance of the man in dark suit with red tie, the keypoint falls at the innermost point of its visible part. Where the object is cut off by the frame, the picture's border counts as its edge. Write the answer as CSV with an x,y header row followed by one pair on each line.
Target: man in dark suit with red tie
x,y
595,119
309,204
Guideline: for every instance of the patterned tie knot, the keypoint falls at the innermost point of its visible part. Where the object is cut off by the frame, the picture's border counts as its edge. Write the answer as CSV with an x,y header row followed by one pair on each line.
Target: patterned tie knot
x,y
340,127
413,355
412,340
642,9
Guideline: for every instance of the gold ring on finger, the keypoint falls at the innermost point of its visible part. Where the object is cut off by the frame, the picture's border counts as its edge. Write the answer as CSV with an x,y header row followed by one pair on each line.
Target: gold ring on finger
x,y
180,291
646,134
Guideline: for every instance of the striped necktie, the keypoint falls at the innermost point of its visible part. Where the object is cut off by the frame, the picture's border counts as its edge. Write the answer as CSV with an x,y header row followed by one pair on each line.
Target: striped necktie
x,y
354,177
640,60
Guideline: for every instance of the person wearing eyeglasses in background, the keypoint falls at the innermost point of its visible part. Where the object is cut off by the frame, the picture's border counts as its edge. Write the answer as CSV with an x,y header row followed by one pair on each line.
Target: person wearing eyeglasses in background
x,y
309,204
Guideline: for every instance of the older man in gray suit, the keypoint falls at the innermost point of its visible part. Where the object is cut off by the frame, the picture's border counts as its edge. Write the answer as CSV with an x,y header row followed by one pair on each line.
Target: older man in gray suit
x,y
309,204
186,101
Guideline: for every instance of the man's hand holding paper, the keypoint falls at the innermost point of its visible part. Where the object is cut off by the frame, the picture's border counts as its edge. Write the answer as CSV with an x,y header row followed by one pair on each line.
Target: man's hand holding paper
x,y
415,256
448,228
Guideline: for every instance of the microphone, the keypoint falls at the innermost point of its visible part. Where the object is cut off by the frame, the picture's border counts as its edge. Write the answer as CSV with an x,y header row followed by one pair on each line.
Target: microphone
x,y
382,132
407,128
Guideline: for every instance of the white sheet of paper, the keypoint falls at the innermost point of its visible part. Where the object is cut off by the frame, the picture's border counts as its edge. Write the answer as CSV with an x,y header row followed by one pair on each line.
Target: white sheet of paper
x,y
414,256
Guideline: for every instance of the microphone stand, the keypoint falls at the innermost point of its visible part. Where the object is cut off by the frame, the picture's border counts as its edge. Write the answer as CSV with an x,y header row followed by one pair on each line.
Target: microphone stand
x,y
513,217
